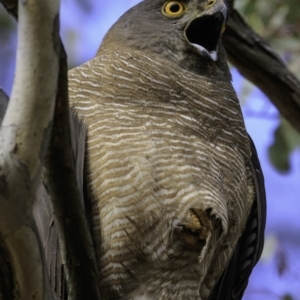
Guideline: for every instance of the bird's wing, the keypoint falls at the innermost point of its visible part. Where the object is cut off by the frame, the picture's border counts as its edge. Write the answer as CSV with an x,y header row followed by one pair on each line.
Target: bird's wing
x,y
44,214
234,280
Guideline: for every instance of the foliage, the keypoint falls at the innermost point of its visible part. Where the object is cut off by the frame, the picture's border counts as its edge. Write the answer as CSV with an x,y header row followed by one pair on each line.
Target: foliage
x,y
286,140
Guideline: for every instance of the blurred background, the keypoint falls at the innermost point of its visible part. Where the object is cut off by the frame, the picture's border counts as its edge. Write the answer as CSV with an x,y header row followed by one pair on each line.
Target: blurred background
x,y
277,275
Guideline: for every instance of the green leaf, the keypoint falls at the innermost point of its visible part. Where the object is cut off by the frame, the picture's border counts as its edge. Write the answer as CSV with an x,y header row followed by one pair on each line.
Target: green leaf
x,y
286,140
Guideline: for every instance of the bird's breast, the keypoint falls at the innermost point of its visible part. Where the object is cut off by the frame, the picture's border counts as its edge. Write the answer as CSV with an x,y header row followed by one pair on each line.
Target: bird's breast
x,y
166,174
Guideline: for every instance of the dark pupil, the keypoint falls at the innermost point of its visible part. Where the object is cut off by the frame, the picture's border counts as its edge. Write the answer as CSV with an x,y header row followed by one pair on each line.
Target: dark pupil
x,y
175,8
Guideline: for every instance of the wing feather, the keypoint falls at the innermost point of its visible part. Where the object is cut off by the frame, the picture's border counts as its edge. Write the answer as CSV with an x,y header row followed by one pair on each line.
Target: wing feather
x,y
233,282
44,215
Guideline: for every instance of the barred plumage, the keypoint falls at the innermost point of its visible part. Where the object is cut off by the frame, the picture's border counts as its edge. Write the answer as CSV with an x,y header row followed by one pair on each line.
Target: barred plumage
x,y
168,161
159,144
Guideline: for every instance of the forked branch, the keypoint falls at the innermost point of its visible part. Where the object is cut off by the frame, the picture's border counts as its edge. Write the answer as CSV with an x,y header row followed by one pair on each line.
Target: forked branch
x,y
256,60
24,137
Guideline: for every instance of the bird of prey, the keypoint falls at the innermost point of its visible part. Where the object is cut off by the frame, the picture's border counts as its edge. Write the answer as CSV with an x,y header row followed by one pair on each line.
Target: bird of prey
x,y
172,178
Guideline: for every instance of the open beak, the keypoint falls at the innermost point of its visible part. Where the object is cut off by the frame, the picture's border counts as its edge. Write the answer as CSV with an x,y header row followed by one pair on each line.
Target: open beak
x,y
204,32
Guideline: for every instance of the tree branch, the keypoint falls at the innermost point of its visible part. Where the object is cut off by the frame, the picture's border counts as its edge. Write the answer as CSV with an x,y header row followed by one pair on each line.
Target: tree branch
x,y
24,137
74,235
255,59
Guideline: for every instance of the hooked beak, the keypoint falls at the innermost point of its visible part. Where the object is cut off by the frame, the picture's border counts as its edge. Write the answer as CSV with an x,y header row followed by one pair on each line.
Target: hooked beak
x,y
204,31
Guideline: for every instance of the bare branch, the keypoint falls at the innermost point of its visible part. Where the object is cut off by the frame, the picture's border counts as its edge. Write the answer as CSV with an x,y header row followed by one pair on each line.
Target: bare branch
x,y
24,137
74,235
255,59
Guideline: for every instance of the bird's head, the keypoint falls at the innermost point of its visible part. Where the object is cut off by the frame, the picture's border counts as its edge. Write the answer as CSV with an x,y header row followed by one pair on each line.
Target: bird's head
x,y
185,31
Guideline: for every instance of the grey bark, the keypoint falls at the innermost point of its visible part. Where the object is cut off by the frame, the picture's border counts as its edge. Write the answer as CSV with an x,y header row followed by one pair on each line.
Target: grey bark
x,y
24,135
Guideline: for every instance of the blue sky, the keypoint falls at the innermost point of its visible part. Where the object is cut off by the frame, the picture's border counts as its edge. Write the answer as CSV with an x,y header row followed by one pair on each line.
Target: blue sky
x,y
82,28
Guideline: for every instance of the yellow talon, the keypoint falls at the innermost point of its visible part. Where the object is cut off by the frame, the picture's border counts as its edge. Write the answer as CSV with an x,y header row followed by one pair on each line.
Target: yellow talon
x,y
195,221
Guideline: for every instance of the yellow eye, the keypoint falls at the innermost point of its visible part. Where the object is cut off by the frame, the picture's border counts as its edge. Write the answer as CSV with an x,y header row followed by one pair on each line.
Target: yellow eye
x,y
173,9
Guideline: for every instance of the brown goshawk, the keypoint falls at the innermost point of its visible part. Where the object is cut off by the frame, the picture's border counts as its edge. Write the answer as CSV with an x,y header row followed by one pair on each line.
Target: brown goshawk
x,y
172,179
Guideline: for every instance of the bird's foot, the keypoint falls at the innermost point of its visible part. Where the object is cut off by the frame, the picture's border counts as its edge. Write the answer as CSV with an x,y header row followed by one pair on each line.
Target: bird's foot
x,y
196,228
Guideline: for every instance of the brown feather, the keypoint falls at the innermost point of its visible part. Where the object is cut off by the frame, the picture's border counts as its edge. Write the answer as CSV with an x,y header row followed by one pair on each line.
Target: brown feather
x,y
161,142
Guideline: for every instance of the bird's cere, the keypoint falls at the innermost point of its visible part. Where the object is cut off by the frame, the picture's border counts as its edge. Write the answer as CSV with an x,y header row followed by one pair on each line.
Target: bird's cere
x,y
204,32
